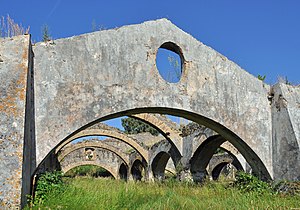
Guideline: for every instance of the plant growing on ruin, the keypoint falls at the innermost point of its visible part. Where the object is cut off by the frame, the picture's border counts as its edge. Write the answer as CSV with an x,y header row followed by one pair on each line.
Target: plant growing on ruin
x,y
46,33
134,126
250,183
47,182
9,28
262,78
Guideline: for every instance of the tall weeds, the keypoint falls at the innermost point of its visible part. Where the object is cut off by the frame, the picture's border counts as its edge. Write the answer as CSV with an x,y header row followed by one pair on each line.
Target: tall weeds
x,y
9,28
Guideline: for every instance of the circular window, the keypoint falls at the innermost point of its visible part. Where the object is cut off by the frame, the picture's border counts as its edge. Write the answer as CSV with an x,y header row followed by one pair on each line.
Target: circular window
x,y
169,62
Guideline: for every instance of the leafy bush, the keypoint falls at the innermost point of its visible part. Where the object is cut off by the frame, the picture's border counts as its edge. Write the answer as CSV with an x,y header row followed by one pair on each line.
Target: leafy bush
x,y
249,183
91,193
135,126
47,182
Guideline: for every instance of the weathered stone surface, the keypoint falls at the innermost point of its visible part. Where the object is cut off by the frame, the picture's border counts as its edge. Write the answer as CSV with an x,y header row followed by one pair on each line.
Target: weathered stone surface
x,y
218,163
85,78
286,131
117,134
92,144
92,156
15,167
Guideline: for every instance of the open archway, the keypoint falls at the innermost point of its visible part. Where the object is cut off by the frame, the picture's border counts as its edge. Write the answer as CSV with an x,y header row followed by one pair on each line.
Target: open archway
x,y
110,133
220,161
107,167
158,165
203,155
137,170
123,172
92,144
217,170
252,158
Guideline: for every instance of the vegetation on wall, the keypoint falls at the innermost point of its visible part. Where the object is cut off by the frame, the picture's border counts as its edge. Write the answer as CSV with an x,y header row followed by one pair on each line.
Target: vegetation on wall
x,y
9,28
134,126
46,33
47,183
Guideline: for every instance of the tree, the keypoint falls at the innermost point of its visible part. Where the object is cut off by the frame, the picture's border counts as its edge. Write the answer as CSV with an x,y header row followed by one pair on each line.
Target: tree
x,y
46,33
134,126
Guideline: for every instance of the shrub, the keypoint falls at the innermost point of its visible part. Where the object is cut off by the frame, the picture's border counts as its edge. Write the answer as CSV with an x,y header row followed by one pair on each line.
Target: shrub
x,y
47,182
249,183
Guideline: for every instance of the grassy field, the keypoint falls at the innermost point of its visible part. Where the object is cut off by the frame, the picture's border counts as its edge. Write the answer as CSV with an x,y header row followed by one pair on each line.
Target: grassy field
x,y
103,193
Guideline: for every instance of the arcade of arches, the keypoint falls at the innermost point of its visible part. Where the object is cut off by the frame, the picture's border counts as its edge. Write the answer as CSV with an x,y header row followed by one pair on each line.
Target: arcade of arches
x,y
54,94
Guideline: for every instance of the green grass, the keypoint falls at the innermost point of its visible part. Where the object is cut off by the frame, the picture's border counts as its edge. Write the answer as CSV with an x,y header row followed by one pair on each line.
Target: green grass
x,y
99,193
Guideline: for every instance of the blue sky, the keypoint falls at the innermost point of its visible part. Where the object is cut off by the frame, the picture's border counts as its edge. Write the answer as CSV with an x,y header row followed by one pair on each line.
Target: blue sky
x,y
262,36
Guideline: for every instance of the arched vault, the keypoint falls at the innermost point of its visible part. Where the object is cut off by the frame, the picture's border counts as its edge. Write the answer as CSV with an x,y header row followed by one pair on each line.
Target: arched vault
x,y
92,144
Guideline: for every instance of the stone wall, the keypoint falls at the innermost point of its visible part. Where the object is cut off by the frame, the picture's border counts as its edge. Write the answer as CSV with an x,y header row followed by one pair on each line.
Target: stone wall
x,y
17,144
112,73
285,100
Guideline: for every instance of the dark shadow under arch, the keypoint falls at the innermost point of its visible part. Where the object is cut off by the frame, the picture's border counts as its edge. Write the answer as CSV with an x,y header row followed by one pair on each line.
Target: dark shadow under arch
x,y
217,170
137,170
203,155
159,164
123,172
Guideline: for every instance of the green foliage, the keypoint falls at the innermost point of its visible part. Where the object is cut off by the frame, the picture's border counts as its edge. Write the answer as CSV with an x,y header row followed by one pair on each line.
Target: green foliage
x,y
134,126
46,33
88,170
220,151
47,183
91,193
262,78
249,183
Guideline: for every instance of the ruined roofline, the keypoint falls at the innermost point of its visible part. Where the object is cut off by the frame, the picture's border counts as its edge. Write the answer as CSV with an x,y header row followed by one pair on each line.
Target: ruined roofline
x,y
147,25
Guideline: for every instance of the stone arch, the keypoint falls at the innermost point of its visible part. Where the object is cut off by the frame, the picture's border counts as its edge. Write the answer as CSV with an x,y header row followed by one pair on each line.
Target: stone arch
x,y
254,161
107,167
167,128
123,172
218,161
213,90
137,170
163,146
158,165
235,161
98,144
111,133
238,157
202,156
98,82
215,173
